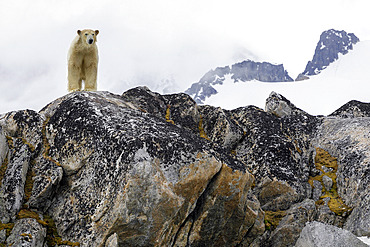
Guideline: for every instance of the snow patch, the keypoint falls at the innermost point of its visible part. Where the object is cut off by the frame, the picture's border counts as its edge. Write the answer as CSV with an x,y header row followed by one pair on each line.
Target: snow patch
x,y
365,239
322,46
200,91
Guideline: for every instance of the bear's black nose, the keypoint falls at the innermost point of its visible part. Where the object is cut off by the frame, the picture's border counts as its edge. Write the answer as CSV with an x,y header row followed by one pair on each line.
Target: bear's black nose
x,y
91,41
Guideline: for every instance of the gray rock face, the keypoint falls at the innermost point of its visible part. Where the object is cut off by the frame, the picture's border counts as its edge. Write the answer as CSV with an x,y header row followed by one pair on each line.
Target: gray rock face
x,y
289,229
27,232
115,170
316,234
316,190
113,149
353,109
12,187
112,241
26,125
348,139
249,70
240,72
331,44
262,145
281,107
3,146
144,169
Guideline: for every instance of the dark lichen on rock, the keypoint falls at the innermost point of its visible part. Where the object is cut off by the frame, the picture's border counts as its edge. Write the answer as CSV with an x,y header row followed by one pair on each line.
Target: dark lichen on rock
x,y
159,170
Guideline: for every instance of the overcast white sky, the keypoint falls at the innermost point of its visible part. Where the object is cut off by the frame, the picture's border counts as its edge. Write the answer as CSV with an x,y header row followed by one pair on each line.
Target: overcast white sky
x,y
148,41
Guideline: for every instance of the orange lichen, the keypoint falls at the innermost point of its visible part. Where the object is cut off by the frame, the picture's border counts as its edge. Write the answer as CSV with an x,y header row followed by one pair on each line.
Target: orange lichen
x,y
273,218
168,115
336,204
201,129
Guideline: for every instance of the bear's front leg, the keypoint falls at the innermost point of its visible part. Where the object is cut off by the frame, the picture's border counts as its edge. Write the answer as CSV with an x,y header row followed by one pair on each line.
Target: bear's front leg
x,y
91,73
74,78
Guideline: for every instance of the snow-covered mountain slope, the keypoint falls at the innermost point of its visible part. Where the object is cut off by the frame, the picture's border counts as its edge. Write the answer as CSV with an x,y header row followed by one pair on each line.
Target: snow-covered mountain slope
x,y
345,79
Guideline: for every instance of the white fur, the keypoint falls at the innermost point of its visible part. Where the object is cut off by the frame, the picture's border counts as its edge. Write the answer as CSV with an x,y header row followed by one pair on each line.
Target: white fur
x,y
83,62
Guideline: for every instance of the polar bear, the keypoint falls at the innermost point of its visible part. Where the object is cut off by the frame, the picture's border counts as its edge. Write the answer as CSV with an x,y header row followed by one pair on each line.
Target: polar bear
x,y
83,61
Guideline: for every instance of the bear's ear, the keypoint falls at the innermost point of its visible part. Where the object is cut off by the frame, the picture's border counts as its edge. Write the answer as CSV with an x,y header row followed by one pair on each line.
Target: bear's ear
x,y
96,32
78,32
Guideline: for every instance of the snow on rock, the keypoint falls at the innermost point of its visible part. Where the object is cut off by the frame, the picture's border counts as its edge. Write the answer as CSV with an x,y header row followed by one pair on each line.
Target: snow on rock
x,y
365,239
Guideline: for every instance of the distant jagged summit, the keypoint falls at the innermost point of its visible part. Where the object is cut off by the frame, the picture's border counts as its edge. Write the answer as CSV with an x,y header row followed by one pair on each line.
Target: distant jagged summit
x,y
244,71
331,43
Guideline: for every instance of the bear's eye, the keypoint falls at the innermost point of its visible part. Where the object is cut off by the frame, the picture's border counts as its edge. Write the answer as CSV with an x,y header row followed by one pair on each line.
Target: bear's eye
x,y
85,34
93,34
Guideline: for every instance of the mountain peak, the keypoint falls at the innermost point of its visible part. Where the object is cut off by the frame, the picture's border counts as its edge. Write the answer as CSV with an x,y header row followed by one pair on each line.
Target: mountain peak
x,y
331,43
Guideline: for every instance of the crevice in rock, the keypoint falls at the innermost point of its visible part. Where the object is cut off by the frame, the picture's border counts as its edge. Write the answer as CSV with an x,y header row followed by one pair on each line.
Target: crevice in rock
x,y
46,144
202,132
194,215
246,235
3,168
240,141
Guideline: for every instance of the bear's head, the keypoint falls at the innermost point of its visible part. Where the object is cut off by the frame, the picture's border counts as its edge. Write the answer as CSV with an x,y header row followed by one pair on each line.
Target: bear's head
x,y
88,35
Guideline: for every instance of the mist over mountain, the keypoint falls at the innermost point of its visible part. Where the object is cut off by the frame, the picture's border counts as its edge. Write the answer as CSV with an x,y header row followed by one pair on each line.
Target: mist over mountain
x,y
339,60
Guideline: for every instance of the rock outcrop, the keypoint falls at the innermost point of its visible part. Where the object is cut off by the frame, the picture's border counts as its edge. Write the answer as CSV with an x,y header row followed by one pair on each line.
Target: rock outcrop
x,y
105,170
331,44
353,109
316,234
240,72
144,169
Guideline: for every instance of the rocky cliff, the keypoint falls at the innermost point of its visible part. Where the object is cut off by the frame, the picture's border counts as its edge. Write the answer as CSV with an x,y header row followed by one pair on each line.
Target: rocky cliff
x,y
244,71
144,169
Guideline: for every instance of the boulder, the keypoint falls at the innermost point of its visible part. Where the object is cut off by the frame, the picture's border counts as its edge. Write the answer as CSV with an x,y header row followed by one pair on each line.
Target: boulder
x,y
141,178
316,234
280,106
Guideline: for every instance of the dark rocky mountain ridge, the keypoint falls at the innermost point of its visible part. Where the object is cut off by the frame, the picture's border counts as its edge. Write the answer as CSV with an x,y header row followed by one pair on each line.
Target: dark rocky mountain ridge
x,y
244,71
331,44
144,169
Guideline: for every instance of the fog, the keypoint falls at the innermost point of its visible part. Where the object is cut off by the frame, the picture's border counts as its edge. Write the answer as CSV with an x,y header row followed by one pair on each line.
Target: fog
x,y
164,44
